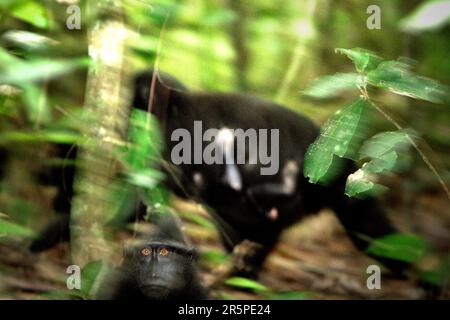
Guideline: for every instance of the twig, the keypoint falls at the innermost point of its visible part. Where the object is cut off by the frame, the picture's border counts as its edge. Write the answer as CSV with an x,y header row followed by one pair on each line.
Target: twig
x,y
427,161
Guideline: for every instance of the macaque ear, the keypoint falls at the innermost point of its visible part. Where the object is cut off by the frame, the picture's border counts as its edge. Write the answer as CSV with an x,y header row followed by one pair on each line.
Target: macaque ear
x,y
164,90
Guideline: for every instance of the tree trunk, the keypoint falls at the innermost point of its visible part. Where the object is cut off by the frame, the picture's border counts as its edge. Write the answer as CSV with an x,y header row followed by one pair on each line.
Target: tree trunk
x,y
107,101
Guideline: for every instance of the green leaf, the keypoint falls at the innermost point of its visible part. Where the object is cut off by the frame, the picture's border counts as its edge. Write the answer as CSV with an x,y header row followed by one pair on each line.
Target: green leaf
x,y
214,256
56,136
246,284
383,143
20,72
396,76
35,99
89,276
32,12
28,40
427,16
363,59
338,138
403,247
386,152
8,228
360,185
385,149
332,86
145,140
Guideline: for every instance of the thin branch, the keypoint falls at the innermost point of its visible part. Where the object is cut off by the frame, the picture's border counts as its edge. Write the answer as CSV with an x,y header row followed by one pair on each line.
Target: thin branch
x,y
427,161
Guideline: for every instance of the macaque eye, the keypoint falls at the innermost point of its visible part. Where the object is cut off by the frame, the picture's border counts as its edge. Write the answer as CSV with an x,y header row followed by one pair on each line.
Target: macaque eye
x,y
146,251
164,252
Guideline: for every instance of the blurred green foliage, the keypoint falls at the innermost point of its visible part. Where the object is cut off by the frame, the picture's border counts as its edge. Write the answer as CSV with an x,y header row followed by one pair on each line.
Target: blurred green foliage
x,y
281,50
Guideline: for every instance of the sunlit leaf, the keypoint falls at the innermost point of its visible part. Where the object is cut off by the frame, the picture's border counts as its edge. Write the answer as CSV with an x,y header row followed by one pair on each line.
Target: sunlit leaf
x,y
363,59
332,86
429,15
246,284
404,247
336,139
397,77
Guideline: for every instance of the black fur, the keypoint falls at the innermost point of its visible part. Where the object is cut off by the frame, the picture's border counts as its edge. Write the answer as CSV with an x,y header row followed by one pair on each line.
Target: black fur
x,y
166,271
245,213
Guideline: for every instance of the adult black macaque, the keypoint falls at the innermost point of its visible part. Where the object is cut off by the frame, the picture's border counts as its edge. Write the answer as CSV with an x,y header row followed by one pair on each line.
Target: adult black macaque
x,y
247,205
250,205
159,267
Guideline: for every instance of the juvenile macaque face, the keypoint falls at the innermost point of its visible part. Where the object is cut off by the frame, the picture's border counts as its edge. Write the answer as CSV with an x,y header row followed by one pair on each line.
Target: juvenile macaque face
x,y
159,269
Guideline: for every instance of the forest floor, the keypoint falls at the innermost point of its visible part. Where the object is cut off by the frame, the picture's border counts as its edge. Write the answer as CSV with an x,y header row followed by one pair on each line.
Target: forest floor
x,y
313,260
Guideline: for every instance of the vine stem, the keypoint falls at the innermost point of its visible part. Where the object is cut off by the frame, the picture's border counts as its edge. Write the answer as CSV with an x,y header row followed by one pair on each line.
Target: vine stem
x,y
425,159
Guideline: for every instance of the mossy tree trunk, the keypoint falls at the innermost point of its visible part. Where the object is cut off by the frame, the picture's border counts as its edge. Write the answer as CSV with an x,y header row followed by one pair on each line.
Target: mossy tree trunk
x,y
107,101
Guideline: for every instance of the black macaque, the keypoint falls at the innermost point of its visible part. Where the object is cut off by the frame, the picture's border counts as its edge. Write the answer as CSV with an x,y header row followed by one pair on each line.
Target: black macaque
x,y
161,266
249,205
60,176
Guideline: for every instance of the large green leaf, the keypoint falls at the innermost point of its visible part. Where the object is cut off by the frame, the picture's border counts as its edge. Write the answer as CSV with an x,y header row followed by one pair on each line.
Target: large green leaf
x,y
363,59
338,138
397,77
333,86
403,247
